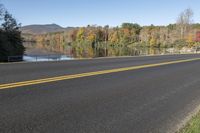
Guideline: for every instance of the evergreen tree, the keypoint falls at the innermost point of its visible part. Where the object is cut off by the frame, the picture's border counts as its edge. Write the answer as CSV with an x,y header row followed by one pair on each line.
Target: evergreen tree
x,y
11,42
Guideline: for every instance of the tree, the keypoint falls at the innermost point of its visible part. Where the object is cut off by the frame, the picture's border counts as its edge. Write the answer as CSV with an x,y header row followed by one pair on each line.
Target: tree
x,y
10,23
131,26
11,42
184,22
80,35
1,12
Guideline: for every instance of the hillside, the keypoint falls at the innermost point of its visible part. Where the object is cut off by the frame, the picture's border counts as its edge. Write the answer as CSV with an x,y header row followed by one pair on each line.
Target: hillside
x,y
41,29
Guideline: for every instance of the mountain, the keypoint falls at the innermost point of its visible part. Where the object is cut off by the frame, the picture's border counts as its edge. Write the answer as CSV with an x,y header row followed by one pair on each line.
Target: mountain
x,y
42,29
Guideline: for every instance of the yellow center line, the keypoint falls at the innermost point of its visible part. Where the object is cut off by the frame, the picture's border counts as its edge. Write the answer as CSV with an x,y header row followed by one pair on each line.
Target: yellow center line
x,y
87,74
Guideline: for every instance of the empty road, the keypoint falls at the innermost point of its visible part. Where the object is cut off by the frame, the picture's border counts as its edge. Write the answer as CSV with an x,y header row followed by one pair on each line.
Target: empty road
x,y
152,94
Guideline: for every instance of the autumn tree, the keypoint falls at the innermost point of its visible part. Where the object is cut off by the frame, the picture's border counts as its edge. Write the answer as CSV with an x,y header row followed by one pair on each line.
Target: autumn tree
x,y
131,32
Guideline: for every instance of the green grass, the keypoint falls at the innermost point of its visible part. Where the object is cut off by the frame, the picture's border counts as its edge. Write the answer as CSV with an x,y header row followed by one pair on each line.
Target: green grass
x,y
193,126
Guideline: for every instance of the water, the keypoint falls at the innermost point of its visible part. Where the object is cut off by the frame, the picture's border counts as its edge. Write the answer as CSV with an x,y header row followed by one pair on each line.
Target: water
x,y
36,53
99,53
39,58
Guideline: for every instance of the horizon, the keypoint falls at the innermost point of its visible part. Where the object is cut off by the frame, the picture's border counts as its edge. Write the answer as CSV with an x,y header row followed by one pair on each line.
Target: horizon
x,y
79,13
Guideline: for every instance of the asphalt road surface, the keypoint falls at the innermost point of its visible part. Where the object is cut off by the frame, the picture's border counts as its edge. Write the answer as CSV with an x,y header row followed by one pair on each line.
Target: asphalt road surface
x,y
149,100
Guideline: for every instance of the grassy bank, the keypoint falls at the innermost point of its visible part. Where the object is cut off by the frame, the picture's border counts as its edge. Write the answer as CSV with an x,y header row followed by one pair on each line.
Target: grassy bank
x,y
193,126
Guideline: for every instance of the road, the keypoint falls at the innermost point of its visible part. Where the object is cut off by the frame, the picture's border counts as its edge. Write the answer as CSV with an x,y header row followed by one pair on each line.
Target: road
x,y
154,99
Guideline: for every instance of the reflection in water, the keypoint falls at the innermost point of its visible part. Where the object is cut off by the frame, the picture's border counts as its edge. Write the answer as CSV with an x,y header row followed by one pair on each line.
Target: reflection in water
x,y
33,58
41,52
48,56
137,51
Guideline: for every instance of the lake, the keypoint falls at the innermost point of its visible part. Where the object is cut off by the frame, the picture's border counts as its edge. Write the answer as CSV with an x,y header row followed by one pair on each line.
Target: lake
x,y
34,53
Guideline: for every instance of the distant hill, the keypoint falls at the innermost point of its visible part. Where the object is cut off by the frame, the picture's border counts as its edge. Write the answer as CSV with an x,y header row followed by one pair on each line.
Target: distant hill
x,y
42,29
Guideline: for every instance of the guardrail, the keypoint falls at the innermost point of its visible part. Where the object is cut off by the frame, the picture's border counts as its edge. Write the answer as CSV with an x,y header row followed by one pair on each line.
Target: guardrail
x,y
15,58
37,58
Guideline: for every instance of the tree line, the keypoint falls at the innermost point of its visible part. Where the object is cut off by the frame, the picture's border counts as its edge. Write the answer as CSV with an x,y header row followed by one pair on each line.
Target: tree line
x,y
11,42
95,40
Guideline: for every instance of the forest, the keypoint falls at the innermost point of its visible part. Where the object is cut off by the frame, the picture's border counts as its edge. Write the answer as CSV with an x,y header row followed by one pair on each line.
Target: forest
x,y
97,41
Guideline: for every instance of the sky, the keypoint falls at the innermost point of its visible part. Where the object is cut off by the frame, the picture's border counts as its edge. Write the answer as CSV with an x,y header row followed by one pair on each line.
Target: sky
x,y
100,12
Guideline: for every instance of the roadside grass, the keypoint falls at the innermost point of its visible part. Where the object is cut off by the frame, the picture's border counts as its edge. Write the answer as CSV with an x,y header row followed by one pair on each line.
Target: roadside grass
x,y
193,126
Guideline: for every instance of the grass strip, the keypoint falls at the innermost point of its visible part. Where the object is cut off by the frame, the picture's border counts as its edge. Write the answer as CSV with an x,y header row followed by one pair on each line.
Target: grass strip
x,y
193,126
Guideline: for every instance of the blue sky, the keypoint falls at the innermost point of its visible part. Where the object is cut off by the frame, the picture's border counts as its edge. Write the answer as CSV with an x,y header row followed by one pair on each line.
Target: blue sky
x,y
100,12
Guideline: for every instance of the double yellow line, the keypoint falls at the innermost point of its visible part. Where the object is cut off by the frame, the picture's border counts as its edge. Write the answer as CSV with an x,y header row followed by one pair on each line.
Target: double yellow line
x,y
87,74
